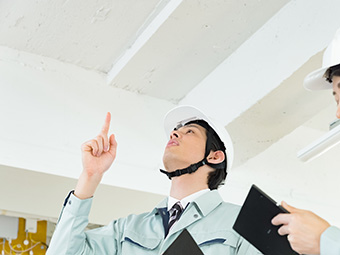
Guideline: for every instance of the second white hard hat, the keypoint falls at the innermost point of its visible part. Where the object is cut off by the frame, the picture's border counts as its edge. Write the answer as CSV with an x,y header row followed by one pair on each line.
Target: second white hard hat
x,y
331,57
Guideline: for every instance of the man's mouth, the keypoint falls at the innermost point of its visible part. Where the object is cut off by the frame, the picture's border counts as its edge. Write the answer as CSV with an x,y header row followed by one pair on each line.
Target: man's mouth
x,y
172,142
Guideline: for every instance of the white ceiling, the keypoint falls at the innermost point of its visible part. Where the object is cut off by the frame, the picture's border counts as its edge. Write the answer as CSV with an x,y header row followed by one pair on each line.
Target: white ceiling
x,y
91,35
63,64
195,38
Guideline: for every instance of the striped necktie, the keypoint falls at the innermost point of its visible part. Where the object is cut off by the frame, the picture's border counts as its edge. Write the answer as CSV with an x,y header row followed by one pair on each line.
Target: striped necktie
x,y
175,212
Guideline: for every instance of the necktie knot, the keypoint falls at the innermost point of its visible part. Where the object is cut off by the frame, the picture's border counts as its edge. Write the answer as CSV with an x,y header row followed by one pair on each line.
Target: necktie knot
x,y
176,208
175,212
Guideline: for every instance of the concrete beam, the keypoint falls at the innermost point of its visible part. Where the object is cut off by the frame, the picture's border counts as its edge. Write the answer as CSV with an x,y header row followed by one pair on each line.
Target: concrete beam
x,y
285,43
277,114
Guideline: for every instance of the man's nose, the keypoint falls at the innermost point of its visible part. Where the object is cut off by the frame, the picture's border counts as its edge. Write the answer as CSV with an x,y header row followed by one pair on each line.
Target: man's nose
x,y
174,134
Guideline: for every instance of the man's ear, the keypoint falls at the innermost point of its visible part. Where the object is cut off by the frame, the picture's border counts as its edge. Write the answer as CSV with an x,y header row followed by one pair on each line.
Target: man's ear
x,y
216,157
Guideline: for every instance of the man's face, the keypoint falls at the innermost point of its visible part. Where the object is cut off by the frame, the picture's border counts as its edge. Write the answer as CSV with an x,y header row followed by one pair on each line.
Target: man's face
x,y
336,93
185,147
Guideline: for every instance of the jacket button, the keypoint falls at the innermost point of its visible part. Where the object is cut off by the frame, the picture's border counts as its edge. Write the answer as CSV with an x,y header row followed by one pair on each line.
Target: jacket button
x,y
195,216
69,202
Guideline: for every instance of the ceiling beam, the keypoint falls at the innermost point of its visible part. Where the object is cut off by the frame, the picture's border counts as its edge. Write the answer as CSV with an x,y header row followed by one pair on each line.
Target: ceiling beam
x,y
152,24
271,55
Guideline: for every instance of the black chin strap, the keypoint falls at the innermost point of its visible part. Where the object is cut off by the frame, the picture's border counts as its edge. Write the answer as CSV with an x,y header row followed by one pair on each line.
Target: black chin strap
x,y
191,169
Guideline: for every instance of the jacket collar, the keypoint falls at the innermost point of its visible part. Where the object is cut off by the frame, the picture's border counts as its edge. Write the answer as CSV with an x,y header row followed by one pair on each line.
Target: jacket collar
x,y
201,207
197,209
208,202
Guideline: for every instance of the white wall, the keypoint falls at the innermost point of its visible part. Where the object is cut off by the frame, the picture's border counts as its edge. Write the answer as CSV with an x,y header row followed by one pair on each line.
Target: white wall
x,y
48,109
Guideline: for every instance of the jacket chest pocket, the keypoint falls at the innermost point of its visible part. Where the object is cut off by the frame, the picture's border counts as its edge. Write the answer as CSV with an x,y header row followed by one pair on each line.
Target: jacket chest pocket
x,y
220,242
133,243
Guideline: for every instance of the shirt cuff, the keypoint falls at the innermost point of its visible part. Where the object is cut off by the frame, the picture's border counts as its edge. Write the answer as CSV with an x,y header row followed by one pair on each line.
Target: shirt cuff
x,y
78,207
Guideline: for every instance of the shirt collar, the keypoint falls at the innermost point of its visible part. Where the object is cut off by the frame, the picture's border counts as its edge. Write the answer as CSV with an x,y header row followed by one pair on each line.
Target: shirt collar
x,y
204,203
185,201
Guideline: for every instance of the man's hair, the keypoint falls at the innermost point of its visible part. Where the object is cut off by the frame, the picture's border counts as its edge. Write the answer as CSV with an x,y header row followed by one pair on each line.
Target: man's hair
x,y
331,72
217,177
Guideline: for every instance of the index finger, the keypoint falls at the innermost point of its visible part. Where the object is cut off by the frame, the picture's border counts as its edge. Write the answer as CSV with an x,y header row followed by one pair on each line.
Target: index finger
x,y
282,218
106,125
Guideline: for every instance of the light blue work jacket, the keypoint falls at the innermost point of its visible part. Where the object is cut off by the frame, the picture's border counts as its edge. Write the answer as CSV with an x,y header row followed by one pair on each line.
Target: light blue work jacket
x,y
208,219
330,241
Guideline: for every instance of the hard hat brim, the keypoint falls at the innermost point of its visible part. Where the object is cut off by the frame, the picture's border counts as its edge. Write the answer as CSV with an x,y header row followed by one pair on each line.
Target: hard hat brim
x,y
316,81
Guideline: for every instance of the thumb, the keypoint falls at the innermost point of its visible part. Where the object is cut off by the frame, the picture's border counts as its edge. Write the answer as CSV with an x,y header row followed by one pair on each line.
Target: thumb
x,y
288,207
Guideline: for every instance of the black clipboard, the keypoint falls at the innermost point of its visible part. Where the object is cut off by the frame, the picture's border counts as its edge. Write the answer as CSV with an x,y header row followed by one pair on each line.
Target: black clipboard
x,y
254,224
183,245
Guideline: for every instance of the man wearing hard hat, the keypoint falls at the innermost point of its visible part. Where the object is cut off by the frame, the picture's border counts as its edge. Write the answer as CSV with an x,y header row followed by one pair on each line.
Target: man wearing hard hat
x,y
307,232
196,159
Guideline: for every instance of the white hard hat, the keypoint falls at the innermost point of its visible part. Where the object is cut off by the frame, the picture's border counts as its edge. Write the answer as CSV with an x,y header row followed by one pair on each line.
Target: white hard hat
x,y
181,115
331,57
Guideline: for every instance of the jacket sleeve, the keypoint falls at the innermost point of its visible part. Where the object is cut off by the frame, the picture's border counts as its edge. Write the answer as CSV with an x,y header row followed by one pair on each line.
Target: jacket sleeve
x,y
70,238
330,241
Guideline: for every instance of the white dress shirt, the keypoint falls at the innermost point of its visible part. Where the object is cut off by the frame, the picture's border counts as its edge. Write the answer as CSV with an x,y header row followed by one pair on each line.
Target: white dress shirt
x,y
185,201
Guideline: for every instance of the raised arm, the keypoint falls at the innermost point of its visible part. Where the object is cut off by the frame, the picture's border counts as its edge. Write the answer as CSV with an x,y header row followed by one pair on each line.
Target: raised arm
x,y
69,237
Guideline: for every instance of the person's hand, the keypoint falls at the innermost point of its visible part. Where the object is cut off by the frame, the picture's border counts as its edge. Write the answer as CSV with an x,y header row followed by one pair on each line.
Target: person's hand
x,y
98,155
304,229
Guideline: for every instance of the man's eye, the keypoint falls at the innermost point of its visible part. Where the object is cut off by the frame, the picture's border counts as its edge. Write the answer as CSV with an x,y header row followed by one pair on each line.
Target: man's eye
x,y
190,131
